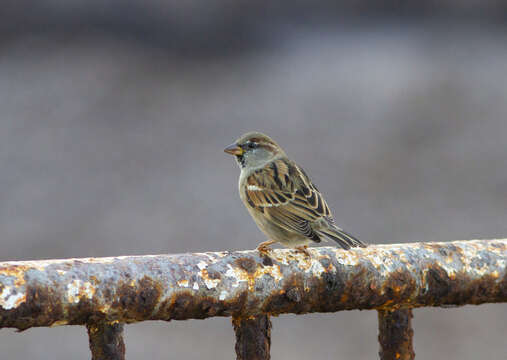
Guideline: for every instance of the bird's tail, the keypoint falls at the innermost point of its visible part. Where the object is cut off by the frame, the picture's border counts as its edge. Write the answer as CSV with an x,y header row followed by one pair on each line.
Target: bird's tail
x,y
344,239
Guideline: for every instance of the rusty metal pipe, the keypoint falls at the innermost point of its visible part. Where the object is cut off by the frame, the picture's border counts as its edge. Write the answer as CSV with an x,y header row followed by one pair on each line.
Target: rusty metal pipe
x,y
253,337
106,341
242,284
395,334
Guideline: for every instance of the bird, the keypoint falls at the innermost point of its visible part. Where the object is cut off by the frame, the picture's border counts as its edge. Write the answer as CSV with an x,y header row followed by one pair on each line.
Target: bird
x,y
283,201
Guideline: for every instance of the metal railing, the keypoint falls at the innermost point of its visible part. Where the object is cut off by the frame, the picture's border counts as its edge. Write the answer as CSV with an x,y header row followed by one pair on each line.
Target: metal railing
x,y
105,293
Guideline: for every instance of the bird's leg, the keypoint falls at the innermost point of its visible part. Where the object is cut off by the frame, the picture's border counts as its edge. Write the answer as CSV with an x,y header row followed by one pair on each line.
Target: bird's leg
x,y
263,246
303,249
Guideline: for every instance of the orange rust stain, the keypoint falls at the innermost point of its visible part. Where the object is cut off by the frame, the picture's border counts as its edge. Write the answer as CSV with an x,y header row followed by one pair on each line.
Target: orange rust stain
x,y
17,272
13,296
251,278
212,280
251,281
387,304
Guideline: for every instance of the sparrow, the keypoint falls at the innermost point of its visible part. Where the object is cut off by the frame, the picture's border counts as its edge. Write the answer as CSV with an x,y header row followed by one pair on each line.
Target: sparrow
x,y
281,198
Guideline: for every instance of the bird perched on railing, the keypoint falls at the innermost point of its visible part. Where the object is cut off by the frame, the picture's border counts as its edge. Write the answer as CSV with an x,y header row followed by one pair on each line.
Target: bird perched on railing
x,y
281,198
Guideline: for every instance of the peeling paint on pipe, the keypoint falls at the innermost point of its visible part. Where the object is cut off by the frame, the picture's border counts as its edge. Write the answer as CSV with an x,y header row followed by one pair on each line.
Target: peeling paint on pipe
x,y
196,286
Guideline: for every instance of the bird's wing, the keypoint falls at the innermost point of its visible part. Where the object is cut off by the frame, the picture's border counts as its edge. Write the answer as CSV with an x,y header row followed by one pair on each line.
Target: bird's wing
x,y
284,193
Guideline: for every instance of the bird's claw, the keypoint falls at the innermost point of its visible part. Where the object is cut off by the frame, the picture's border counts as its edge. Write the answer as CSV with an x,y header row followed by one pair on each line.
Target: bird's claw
x,y
264,248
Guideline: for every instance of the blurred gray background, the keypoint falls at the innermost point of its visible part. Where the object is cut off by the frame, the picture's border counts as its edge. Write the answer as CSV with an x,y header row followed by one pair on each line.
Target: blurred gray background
x,y
114,116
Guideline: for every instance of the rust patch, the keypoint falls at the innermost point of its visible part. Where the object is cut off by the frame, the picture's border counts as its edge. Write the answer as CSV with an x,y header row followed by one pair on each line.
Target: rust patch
x,y
15,271
106,341
398,286
253,337
503,288
291,297
137,300
185,306
294,295
437,282
267,261
247,264
395,334
38,304
355,291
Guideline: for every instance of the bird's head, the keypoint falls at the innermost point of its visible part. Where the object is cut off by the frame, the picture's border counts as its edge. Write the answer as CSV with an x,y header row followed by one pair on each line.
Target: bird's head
x,y
254,149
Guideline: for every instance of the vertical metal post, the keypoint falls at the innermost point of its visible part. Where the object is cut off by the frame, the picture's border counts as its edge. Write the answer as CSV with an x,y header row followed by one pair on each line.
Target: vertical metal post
x,y
253,337
106,341
395,334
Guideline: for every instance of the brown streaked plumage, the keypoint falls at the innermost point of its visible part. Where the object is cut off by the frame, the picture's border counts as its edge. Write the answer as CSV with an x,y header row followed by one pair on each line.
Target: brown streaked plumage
x,y
281,198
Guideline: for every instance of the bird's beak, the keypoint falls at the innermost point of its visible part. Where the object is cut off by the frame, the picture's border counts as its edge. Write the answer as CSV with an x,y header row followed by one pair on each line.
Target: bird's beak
x,y
234,149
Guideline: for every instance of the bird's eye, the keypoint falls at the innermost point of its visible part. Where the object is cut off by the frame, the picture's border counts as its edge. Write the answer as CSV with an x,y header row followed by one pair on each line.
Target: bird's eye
x,y
251,145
